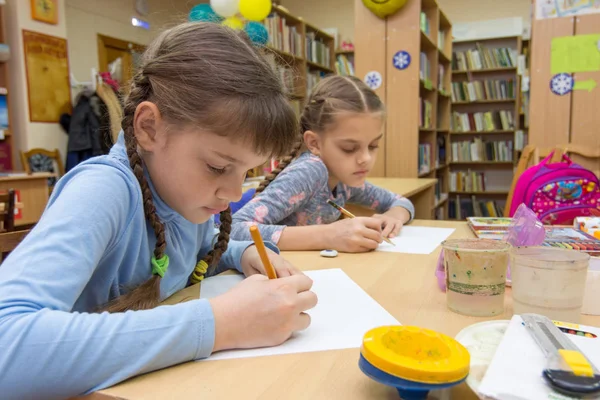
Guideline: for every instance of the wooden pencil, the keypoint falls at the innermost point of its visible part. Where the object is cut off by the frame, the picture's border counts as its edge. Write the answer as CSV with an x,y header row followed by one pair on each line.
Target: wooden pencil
x,y
262,252
350,215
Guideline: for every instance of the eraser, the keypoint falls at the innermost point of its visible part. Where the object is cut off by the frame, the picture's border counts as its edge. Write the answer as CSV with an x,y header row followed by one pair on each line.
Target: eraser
x,y
329,253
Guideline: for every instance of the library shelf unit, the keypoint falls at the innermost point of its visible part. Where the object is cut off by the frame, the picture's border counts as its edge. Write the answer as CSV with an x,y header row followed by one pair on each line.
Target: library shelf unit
x,y
485,121
301,54
344,62
435,50
6,144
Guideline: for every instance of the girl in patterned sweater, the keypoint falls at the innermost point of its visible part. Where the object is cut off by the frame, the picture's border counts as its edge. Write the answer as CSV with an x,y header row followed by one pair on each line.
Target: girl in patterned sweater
x,y
342,125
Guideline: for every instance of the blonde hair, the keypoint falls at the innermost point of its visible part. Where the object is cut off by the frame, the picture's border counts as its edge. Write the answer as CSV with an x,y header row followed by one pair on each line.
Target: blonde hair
x,y
205,75
332,96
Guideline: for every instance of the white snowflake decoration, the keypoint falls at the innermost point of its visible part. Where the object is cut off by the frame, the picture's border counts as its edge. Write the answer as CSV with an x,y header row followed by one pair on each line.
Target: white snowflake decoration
x,y
402,59
373,80
562,84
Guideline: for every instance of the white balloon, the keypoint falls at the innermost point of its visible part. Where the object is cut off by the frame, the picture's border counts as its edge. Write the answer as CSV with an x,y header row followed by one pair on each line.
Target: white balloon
x,y
225,8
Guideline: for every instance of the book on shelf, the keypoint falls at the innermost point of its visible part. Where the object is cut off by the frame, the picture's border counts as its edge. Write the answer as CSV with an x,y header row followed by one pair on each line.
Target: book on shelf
x,y
467,181
478,150
343,66
493,89
519,140
317,51
441,39
525,107
461,207
5,156
4,124
425,25
424,158
312,78
439,214
425,114
484,58
284,72
424,68
482,121
441,151
283,37
441,76
439,193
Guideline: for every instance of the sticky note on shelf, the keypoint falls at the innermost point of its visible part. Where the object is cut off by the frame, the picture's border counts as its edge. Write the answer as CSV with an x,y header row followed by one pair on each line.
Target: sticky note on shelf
x,y
579,53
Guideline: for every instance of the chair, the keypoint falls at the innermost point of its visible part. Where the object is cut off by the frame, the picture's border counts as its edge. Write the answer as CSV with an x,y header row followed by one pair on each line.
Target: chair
x,y
42,160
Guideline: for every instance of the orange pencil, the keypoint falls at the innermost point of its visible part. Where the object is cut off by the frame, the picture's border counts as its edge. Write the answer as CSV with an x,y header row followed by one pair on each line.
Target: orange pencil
x,y
262,252
350,215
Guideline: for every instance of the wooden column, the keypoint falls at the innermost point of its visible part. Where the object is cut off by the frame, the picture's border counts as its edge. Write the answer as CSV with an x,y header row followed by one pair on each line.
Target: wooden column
x,y
369,53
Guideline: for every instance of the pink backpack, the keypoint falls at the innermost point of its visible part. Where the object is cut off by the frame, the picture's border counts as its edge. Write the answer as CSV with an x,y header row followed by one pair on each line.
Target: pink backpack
x,y
557,192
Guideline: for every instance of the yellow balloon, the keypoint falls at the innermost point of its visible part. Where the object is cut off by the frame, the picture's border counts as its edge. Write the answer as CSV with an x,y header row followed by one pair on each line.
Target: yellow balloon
x,y
255,10
233,23
384,8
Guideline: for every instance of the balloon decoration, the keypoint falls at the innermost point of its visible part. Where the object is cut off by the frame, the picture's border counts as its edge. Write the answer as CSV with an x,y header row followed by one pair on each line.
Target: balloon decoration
x,y
225,8
255,10
203,13
233,23
238,15
384,8
257,32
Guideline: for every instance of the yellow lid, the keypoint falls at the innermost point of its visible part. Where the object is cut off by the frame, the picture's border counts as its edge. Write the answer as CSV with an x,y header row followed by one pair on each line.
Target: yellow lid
x,y
416,354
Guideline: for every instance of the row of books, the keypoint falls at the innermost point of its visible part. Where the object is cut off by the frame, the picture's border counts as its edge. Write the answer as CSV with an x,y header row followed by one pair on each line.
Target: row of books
x,y
520,140
441,151
484,58
283,37
441,39
424,158
525,107
424,68
425,114
285,73
466,181
461,207
440,195
493,89
482,121
478,150
317,51
441,78
312,78
425,24
344,66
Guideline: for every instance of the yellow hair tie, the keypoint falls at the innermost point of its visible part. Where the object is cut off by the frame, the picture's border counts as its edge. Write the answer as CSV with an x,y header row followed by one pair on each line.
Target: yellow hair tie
x,y
199,271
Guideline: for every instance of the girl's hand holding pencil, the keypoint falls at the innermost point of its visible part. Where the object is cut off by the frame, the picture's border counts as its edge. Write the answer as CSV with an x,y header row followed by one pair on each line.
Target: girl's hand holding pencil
x,y
354,235
265,310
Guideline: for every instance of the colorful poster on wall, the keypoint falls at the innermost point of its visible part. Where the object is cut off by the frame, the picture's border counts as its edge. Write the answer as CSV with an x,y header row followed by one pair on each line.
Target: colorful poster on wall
x,y
44,11
48,84
545,9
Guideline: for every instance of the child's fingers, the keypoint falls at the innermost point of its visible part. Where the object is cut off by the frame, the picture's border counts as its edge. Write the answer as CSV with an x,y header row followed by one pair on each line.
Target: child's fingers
x,y
388,230
397,228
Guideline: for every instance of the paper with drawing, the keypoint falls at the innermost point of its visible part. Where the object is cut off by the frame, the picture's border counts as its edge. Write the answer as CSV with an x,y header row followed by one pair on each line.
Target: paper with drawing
x,y
417,240
516,369
345,312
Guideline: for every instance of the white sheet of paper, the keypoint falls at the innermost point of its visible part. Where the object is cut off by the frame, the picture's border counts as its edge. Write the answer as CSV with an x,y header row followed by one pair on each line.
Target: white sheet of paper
x,y
516,369
417,240
345,312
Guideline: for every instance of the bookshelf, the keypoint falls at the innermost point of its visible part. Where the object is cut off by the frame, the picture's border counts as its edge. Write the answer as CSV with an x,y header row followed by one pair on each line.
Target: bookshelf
x,y
485,121
6,143
344,62
301,54
521,135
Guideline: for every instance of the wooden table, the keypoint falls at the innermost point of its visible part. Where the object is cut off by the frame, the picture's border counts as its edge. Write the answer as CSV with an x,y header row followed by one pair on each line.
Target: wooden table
x,y
32,193
419,191
404,284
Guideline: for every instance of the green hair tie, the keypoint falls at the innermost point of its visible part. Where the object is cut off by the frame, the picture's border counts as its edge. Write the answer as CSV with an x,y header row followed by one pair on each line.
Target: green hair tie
x,y
160,266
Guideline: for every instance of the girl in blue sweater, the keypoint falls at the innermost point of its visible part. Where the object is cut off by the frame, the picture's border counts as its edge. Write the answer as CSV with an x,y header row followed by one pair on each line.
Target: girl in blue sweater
x,y
124,231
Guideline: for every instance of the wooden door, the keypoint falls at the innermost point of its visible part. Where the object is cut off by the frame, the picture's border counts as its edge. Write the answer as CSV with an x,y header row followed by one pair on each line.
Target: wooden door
x,y
111,49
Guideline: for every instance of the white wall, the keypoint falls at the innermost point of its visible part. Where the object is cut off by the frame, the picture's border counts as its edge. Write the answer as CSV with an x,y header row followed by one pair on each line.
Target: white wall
x,y
28,134
340,13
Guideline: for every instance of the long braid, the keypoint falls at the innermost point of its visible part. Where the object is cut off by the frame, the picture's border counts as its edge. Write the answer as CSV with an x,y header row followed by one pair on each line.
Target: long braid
x,y
283,163
147,295
209,263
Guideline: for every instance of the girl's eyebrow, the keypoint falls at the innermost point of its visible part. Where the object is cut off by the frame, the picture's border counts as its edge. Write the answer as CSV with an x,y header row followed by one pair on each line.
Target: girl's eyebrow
x,y
227,157
353,141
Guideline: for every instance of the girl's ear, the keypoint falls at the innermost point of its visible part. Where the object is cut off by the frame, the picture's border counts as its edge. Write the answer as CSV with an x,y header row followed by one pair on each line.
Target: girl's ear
x,y
312,141
146,123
